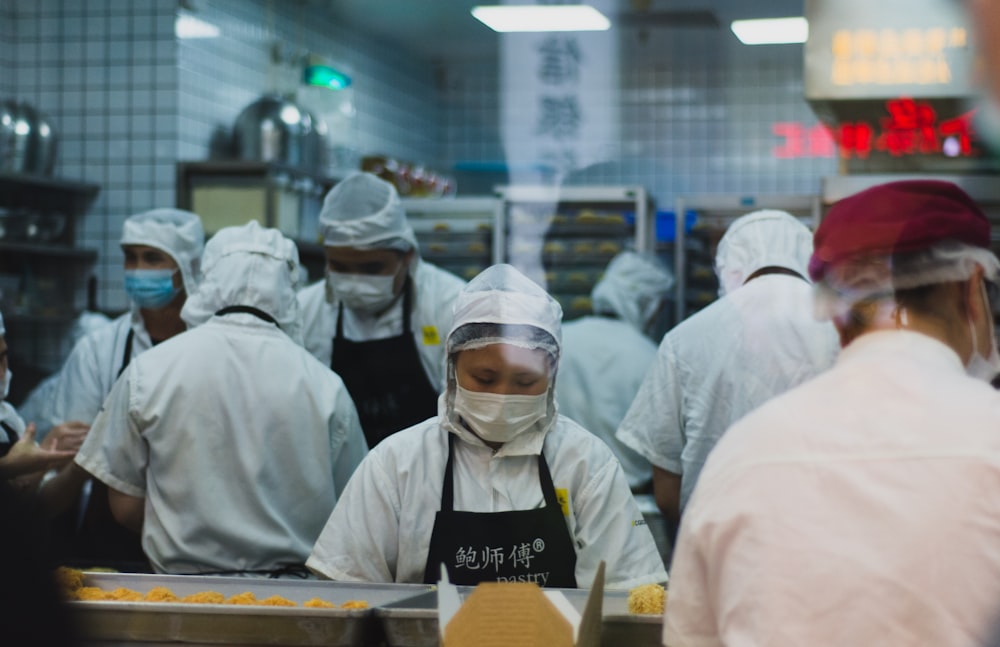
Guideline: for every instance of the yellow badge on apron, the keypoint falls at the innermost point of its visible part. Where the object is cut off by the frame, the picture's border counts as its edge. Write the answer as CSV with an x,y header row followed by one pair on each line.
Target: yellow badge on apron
x,y
562,496
431,337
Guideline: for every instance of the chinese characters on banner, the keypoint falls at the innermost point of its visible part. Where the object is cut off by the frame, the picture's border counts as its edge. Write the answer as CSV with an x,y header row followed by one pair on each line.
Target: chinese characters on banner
x,y
910,127
559,111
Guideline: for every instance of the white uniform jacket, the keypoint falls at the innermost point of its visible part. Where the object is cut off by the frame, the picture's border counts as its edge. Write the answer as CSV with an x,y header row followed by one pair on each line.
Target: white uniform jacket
x,y
862,508
92,367
380,530
601,367
239,440
10,417
721,363
434,291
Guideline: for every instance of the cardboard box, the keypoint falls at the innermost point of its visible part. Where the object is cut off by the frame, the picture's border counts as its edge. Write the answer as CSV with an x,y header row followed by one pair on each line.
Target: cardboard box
x,y
518,613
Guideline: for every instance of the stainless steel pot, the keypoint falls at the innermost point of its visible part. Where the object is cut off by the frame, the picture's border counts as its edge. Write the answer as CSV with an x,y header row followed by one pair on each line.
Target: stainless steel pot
x,y
275,129
28,141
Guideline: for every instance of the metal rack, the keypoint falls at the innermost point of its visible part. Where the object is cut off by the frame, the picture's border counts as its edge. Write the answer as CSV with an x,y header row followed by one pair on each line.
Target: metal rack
x,y
696,285
564,237
456,234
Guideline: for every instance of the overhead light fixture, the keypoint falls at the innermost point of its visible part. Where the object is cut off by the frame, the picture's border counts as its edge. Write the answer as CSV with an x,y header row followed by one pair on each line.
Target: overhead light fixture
x,y
325,76
564,17
187,26
771,31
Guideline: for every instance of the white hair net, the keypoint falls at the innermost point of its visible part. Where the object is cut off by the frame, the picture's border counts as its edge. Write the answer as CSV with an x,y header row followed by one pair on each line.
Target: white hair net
x,y
766,238
363,211
3,329
874,278
633,287
502,295
248,266
177,232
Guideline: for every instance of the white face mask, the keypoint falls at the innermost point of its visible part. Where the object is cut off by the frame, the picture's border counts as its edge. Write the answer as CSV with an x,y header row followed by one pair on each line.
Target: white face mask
x,y
365,293
499,418
980,367
8,376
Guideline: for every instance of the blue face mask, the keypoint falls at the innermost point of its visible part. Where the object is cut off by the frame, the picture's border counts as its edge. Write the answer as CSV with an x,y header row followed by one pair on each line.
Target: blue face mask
x,y
150,289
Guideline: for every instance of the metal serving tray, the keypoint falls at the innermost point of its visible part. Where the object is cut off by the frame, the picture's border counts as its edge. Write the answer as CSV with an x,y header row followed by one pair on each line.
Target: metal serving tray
x,y
412,622
152,623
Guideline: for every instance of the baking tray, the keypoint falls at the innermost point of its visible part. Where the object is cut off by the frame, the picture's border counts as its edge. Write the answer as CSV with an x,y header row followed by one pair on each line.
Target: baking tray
x,y
153,623
413,622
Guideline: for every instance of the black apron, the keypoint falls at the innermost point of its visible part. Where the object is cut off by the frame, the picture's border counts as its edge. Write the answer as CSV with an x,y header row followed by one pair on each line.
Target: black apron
x,y
12,438
385,378
516,546
100,539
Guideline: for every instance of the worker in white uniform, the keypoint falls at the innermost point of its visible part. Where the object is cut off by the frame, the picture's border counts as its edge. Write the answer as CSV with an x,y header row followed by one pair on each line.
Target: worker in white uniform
x,y
605,356
162,250
757,341
860,507
22,459
499,486
379,316
228,446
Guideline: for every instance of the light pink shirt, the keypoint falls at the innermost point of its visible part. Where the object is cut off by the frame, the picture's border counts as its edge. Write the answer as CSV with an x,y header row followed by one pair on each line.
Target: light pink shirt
x,y
862,508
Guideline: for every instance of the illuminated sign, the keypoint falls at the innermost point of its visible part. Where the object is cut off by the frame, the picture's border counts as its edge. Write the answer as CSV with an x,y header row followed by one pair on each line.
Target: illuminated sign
x,y
908,128
894,56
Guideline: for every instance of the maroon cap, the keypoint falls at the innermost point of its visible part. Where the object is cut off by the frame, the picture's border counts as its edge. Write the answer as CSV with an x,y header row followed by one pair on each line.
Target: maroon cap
x,y
897,217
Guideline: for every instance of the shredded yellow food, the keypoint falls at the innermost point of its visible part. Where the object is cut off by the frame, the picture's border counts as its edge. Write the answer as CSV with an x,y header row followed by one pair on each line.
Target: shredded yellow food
x,y
91,593
161,594
242,598
204,597
69,579
277,601
354,604
125,595
317,603
648,598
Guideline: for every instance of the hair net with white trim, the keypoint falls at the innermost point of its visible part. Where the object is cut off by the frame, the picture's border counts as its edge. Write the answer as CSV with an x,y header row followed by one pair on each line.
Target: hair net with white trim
x,y
248,266
363,211
633,287
765,238
502,295
874,278
176,232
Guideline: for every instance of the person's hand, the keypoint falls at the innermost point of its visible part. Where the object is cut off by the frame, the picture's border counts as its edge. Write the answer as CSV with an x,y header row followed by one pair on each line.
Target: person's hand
x,y
26,457
66,436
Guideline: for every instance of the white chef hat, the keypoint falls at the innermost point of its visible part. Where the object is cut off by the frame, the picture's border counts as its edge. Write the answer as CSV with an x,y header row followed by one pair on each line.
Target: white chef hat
x,y
176,232
502,295
766,238
632,288
248,266
363,211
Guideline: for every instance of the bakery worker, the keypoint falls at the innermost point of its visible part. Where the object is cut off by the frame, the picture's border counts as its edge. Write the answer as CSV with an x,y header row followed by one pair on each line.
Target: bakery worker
x,y
606,355
833,513
757,341
228,446
379,317
498,486
162,250
21,457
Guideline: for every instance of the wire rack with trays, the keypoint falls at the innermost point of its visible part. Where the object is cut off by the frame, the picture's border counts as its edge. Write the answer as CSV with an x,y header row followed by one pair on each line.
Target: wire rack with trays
x,y
456,234
564,237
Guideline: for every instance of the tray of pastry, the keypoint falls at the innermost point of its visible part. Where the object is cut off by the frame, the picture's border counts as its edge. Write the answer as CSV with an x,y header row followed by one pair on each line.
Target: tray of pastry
x,y
139,609
413,622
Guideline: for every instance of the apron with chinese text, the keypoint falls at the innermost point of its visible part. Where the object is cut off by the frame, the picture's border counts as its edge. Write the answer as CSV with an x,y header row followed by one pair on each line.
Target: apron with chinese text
x,y
515,546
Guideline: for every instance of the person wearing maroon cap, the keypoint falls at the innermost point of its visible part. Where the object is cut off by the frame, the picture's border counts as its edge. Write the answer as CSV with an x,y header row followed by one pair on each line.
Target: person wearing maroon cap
x,y
861,508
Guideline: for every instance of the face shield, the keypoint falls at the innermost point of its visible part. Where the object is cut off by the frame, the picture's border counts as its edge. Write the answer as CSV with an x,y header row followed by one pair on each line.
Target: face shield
x,y
502,306
633,288
766,238
176,232
248,266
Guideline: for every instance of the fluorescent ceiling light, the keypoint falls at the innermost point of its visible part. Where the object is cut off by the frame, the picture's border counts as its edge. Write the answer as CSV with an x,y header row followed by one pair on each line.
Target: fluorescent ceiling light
x,y
771,31
565,17
187,26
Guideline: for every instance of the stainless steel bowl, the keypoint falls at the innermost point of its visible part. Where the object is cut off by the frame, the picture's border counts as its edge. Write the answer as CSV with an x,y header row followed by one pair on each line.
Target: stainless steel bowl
x,y
276,129
28,140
